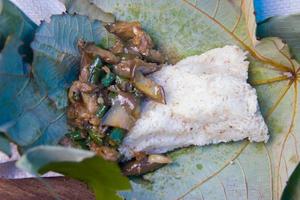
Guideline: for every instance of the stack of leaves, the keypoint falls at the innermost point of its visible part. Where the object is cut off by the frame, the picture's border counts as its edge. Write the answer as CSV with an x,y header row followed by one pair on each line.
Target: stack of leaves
x,y
180,28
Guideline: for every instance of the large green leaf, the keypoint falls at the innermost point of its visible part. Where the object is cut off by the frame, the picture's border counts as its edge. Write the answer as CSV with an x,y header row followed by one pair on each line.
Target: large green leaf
x,y
13,21
237,170
104,177
27,115
285,27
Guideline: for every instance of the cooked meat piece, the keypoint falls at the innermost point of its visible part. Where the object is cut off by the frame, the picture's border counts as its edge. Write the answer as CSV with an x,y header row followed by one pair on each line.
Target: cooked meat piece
x,y
124,30
92,49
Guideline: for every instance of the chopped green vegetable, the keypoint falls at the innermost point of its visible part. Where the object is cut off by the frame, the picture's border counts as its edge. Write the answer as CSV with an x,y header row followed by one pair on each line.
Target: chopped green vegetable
x,y
95,71
75,135
82,144
77,138
95,137
108,79
101,110
117,135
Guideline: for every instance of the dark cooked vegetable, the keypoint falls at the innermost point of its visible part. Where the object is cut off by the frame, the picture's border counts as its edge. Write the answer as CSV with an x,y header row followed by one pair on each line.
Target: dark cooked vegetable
x,y
141,42
124,30
106,101
155,56
92,49
149,87
126,68
118,48
144,165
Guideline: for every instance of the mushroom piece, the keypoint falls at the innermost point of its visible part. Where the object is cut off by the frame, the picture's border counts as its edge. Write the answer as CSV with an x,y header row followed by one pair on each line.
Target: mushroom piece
x,y
144,165
91,49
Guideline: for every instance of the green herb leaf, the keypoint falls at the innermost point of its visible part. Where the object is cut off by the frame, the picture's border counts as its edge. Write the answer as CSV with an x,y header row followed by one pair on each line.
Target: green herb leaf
x,y
103,177
101,110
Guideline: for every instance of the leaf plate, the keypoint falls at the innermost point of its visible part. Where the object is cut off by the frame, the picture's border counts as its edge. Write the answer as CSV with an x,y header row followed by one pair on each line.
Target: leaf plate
x,y
242,170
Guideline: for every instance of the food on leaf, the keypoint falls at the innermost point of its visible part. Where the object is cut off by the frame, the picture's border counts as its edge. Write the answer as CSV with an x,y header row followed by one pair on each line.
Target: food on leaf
x,y
106,100
208,101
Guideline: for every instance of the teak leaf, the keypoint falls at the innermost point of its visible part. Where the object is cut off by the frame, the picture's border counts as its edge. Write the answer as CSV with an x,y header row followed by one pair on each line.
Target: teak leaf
x,y
238,170
27,116
180,28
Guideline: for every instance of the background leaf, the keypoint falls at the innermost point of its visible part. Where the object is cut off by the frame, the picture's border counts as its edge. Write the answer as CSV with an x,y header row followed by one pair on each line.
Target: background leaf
x,y
102,176
26,113
14,22
285,27
237,170
5,144
27,116
86,7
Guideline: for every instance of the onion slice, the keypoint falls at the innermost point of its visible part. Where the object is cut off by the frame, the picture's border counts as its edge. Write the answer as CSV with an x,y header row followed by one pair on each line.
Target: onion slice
x,y
118,116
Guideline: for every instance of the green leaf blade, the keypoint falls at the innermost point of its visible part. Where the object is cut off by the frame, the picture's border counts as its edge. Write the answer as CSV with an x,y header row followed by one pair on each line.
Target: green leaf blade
x,y
26,112
104,177
14,22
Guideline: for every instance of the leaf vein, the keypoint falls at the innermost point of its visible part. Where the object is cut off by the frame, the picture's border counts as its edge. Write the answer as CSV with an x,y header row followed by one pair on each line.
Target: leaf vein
x,y
238,153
